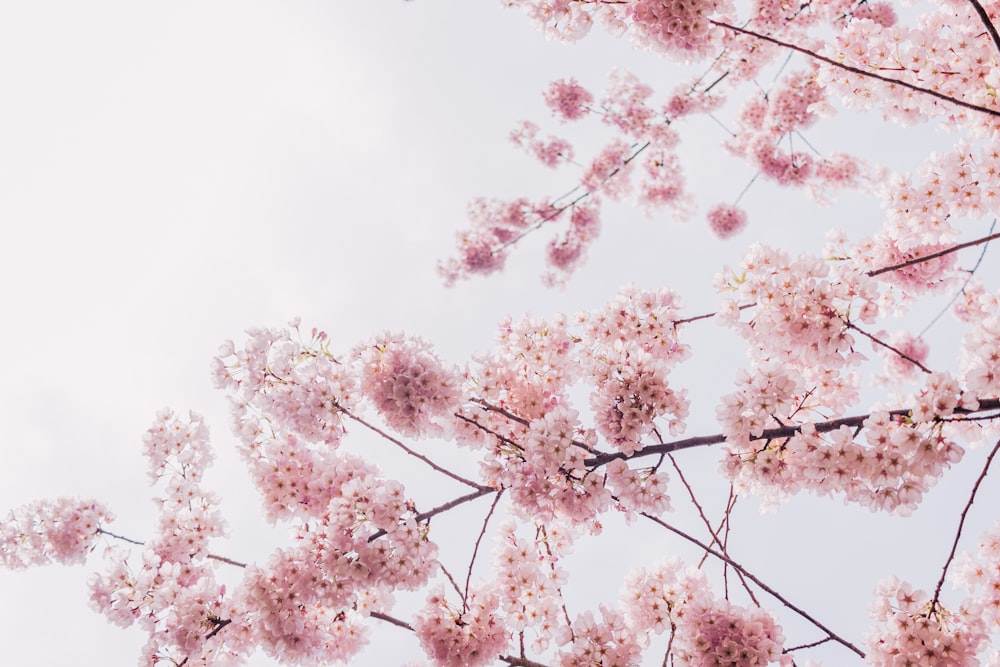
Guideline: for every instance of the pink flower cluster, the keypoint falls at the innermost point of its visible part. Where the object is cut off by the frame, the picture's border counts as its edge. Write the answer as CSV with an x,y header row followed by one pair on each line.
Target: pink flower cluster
x,y
543,468
633,346
529,580
768,120
913,53
568,99
890,469
706,631
675,28
920,631
466,637
548,152
978,573
899,368
284,605
567,252
725,220
607,642
179,450
800,320
980,362
173,593
61,530
495,225
410,387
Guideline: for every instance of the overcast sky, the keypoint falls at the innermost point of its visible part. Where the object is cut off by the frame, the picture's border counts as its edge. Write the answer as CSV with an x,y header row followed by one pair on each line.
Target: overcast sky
x,y
174,174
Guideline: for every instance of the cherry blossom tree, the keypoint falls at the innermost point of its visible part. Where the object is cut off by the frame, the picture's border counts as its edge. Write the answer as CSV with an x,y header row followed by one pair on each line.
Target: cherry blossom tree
x,y
568,423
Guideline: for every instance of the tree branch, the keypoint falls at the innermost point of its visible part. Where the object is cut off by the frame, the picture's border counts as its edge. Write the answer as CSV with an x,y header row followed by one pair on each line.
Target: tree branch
x,y
933,255
775,594
399,443
855,70
985,405
987,23
961,523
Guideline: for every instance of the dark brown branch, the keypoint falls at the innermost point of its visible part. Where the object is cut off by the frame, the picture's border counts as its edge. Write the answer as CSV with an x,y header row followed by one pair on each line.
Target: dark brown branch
x,y
987,23
933,255
775,594
985,405
520,662
961,523
444,507
877,341
390,619
855,70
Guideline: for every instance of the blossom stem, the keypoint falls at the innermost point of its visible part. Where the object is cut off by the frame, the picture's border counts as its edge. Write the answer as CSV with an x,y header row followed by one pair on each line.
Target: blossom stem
x,y
961,523
739,568
876,341
401,445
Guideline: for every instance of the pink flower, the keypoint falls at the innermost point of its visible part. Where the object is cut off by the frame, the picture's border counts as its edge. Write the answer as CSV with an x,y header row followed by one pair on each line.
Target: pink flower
x,y
726,220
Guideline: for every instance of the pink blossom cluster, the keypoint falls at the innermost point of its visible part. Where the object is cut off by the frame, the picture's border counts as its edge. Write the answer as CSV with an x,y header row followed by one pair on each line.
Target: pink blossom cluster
x,y
466,637
800,319
637,162
725,220
61,530
677,29
913,53
633,346
534,441
549,151
291,385
179,450
706,631
567,20
285,605
495,225
919,630
608,174
565,253
529,580
287,402
892,467
979,575
980,360
173,593
567,99
543,468
900,368
604,642
767,121
409,385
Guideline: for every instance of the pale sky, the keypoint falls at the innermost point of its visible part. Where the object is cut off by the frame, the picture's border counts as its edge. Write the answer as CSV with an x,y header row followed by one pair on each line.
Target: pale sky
x,y
173,175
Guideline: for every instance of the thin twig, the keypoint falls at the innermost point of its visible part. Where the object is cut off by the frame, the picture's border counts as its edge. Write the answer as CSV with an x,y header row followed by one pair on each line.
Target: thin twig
x,y
221,559
443,507
961,523
834,636
399,443
475,549
390,619
876,341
